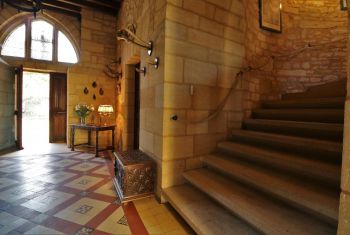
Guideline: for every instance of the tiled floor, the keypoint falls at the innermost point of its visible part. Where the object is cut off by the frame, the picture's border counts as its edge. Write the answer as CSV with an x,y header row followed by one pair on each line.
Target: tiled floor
x,y
72,193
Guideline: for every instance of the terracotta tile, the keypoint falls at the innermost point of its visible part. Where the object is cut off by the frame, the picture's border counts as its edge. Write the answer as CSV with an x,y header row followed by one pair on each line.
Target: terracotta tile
x,y
102,216
134,220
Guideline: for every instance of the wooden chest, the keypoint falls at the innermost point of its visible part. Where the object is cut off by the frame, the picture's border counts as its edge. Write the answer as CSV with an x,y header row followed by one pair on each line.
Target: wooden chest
x,y
135,175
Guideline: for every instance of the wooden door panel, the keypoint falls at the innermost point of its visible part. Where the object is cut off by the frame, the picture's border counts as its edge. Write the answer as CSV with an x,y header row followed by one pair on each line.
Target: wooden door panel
x,y
58,107
18,112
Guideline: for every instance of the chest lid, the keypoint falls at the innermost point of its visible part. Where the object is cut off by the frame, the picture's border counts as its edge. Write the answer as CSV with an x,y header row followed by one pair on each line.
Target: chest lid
x,y
133,157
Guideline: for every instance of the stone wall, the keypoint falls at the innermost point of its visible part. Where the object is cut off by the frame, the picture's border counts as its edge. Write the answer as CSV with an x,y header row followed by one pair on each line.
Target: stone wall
x,y
204,49
303,22
260,45
316,23
148,16
7,123
344,208
97,48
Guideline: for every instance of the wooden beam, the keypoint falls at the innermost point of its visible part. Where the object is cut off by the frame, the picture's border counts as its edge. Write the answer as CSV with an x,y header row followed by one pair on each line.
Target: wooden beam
x,y
62,11
112,3
61,5
66,9
107,8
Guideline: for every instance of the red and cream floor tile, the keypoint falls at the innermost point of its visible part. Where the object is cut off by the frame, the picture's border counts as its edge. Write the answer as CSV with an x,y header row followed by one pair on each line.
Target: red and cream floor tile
x,y
73,193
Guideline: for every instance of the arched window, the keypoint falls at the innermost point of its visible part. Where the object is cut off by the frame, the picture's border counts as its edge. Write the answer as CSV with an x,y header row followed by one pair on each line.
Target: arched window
x,y
14,44
39,40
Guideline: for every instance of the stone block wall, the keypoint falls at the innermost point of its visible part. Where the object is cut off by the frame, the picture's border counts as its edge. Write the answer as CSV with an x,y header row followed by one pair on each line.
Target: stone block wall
x,y
317,23
149,17
97,48
303,22
204,49
344,208
7,122
260,45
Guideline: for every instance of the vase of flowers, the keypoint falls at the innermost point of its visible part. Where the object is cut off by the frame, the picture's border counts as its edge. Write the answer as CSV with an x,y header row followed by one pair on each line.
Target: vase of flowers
x,y
83,110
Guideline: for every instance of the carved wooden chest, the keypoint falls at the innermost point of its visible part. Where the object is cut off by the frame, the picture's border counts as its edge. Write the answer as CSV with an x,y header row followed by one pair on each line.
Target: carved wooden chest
x,y
135,175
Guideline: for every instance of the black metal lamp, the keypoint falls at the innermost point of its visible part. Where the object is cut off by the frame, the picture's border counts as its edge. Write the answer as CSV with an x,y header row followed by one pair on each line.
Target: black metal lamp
x,y
33,6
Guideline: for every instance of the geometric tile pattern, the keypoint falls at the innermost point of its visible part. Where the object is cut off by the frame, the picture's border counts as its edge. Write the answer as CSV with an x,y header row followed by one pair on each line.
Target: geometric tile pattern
x,y
113,223
82,211
63,193
41,230
47,201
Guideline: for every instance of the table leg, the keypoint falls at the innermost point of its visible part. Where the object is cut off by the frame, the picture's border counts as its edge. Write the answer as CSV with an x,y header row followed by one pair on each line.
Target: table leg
x,y
96,147
89,137
112,140
72,133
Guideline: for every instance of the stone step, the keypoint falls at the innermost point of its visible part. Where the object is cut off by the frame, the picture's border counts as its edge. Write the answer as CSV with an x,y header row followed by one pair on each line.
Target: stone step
x,y
264,214
309,115
331,89
287,162
311,198
321,149
328,131
203,214
318,103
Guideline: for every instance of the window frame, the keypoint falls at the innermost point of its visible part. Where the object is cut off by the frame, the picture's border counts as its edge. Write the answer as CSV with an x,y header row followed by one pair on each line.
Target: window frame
x,y
28,41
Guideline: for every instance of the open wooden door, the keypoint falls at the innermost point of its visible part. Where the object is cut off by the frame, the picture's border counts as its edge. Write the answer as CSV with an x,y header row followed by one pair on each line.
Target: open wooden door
x,y
58,107
18,109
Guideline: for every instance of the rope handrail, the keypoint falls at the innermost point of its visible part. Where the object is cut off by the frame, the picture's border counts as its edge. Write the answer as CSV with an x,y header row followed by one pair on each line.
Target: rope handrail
x,y
239,75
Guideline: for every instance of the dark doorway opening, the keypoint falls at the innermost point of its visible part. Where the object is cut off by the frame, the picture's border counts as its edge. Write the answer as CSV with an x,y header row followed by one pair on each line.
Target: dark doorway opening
x,y
137,109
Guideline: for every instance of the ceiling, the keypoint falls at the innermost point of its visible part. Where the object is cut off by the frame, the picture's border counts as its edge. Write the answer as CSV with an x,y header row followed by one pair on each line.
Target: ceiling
x,y
73,7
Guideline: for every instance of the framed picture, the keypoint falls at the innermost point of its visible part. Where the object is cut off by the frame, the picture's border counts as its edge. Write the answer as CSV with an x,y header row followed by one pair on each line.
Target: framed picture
x,y
270,15
343,5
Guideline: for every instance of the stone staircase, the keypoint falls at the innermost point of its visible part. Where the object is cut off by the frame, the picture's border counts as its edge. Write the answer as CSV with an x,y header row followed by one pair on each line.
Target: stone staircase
x,y
279,174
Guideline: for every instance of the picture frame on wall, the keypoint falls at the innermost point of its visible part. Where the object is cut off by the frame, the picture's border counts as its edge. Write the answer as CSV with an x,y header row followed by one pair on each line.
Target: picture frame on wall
x,y
270,15
343,5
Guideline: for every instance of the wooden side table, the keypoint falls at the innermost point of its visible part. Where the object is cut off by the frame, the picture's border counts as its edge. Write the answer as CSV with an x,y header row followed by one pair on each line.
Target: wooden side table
x,y
91,128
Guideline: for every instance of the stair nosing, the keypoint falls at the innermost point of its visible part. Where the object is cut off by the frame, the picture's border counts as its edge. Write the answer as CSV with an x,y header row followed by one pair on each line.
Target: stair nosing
x,y
248,201
282,139
330,126
213,205
271,157
326,211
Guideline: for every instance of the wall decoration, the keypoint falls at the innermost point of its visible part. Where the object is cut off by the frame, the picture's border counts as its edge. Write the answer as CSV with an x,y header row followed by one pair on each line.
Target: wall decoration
x,y
119,88
343,5
270,15
86,91
94,84
112,73
101,91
